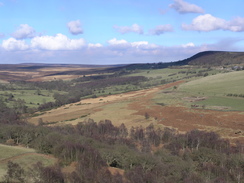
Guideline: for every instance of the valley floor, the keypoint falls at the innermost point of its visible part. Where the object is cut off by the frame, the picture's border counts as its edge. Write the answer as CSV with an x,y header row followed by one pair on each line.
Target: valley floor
x,y
131,109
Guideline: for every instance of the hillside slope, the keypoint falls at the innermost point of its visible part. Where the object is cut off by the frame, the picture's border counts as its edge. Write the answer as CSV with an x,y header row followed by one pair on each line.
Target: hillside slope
x,y
219,84
24,156
216,58
224,89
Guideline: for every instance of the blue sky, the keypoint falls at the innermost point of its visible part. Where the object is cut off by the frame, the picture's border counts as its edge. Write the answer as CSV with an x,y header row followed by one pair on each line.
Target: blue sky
x,y
116,31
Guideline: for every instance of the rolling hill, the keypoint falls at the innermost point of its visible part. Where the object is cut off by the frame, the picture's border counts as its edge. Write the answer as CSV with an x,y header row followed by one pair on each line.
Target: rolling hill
x,y
215,58
206,58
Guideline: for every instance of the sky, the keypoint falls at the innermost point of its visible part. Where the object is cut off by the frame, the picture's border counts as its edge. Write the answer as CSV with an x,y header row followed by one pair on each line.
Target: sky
x,y
117,31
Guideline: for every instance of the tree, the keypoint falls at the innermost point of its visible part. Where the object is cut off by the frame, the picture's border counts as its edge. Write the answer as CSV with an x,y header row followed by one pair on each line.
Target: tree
x,y
205,74
146,115
19,106
15,173
38,92
49,174
123,132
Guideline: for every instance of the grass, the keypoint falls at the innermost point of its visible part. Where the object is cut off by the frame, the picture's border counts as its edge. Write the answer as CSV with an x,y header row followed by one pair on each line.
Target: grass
x,y
31,98
215,88
229,102
219,84
10,151
24,156
27,161
168,97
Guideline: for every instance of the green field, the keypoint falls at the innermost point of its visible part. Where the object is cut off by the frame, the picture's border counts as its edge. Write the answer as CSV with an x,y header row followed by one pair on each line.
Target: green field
x,y
223,103
215,88
220,84
32,98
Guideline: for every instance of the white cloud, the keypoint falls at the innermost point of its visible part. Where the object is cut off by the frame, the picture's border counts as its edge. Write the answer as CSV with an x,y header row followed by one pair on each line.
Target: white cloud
x,y
188,45
161,29
12,44
75,27
121,45
127,29
208,22
97,45
144,45
58,42
24,31
185,7
118,44
205,22
114,41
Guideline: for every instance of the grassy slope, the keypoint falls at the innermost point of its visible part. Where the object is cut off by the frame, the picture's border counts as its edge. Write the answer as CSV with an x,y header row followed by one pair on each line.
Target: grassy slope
x,y
215,87
23,156
220,84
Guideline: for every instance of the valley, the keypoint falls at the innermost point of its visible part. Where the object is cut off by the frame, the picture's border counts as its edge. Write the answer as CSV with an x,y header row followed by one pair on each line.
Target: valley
x,y
53,112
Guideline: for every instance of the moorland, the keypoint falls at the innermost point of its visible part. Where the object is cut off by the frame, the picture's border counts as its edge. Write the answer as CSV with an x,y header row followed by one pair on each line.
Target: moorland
x,y
157,122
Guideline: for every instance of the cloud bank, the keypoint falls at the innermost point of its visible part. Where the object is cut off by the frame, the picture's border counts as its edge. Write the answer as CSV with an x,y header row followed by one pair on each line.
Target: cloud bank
x,y
60,48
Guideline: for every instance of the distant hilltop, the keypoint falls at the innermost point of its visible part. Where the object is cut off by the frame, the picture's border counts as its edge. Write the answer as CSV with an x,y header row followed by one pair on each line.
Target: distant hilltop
x,y
215,58
206,58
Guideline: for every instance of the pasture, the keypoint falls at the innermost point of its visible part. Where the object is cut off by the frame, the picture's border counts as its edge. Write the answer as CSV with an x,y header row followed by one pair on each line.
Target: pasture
x,y
215,90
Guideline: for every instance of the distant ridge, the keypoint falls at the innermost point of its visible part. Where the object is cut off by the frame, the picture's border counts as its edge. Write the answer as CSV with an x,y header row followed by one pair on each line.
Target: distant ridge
x,y
215,58
206,58
36,66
